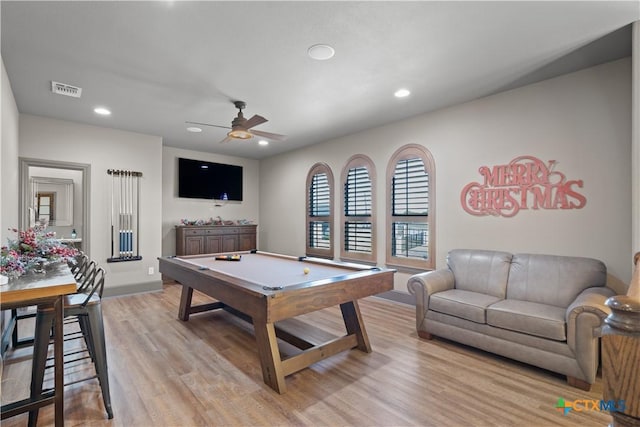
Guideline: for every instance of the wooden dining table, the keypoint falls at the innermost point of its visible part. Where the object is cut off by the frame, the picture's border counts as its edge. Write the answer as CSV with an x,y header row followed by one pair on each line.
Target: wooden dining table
x,y
45,290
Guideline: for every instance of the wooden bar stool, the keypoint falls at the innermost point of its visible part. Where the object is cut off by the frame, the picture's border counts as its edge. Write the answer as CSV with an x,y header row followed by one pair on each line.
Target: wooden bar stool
x,y
87,308
82,271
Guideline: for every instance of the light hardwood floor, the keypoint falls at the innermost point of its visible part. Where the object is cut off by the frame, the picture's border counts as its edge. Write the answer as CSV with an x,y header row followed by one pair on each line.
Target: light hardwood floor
x,y
205,372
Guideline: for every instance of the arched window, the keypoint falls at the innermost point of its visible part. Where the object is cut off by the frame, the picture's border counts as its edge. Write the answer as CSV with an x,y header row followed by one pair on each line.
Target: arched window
x,y
320,211
358,214
411,208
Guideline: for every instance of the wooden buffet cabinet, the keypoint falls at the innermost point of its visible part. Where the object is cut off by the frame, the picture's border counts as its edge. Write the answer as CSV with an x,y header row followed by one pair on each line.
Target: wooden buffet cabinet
x,y
210,239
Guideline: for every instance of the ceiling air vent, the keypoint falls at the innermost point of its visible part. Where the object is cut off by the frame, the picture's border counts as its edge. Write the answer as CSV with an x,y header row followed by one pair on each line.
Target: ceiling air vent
x,y
67,90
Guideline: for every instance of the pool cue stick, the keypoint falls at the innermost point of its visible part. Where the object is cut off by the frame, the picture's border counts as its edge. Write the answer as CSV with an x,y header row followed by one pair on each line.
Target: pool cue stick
x,y
112,185
119,188
114,220
119,185
130,215
126,214
121,216
126,206
138,214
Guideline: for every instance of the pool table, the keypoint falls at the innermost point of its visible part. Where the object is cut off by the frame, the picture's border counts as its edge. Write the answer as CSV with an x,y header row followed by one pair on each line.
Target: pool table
x,y
265,288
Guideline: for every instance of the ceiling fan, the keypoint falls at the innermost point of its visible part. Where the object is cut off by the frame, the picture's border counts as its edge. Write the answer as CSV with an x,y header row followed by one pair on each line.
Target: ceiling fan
x,y
241,127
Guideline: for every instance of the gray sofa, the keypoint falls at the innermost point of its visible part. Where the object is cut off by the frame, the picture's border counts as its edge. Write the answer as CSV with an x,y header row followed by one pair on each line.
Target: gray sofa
x,y
544,310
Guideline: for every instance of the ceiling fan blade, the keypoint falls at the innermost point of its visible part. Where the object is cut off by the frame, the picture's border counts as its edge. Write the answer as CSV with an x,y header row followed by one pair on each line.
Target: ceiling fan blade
x,y
226,139
207,124
254,121
269,135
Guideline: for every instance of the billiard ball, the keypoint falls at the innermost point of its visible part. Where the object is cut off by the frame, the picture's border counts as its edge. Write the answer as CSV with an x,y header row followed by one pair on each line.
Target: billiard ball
x,y
306,270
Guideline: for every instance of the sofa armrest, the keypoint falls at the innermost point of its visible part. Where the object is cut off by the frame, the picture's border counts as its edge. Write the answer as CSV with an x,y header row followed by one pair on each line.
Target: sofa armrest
x,y
585,317
590,300
425,284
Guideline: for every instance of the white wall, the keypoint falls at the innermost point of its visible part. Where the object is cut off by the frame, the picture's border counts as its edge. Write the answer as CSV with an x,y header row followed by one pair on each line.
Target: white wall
x,y
582,120
9,174
103,149
174,208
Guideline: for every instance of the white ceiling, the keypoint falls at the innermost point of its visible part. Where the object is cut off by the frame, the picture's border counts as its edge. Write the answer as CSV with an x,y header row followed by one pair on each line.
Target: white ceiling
x,y
159,64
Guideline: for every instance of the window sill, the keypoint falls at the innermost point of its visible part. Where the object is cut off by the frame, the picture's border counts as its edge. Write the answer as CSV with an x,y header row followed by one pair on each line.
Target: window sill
x,y
408,269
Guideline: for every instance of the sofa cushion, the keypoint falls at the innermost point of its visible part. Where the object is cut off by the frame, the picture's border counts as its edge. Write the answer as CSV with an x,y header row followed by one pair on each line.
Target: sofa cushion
x,y
464,304
480,271
553,280
518,338
531,318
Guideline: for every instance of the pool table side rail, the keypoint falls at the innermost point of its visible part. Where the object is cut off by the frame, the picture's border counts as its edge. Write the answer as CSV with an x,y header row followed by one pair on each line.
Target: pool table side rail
x,y
357,270
274,305
314,260
334,291
240,297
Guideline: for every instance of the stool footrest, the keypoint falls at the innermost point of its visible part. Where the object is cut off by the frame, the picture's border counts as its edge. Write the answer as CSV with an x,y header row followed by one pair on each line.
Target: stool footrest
x,y
29,404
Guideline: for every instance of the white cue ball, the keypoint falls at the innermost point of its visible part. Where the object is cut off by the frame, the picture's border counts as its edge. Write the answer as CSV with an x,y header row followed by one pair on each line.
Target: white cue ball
x,y
306,270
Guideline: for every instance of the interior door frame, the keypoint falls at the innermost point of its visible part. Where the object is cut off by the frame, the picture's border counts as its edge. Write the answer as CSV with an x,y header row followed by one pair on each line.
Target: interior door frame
x,y
26,163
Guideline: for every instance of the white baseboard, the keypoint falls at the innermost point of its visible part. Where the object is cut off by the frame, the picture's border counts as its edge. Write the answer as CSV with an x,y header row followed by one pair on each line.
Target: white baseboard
x,y
137,288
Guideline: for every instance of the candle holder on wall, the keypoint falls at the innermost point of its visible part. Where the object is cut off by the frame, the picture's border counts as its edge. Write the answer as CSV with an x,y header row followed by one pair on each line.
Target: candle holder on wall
x,y
125,215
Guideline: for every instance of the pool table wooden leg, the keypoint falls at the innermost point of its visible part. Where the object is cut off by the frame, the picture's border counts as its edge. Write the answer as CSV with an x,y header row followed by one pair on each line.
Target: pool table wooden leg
x,y
269,354
354,324
185,303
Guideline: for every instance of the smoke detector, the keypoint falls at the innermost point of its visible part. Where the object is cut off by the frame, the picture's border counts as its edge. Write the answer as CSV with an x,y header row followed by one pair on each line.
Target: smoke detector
x,y
65,89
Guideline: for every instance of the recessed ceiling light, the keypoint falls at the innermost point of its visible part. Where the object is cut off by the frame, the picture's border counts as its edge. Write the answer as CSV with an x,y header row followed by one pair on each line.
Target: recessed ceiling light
x,y
321,52
102,111
402,93
194,129
263,142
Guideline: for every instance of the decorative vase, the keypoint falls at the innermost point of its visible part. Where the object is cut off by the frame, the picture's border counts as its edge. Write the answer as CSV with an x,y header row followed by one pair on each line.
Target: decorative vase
x,y
621,354
39,268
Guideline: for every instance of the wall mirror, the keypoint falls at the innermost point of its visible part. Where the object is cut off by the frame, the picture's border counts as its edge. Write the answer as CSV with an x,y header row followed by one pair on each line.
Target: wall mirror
x,y
51,201
58,193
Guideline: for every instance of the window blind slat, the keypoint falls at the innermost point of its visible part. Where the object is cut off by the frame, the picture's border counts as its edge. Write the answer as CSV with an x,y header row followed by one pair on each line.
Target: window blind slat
x,y
410,188
357,203
319,232
410,197
357,192
319,196
319,193
357,237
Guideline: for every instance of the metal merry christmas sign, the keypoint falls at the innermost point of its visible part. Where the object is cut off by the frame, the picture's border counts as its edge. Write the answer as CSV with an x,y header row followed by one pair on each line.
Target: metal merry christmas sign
x,y
526,182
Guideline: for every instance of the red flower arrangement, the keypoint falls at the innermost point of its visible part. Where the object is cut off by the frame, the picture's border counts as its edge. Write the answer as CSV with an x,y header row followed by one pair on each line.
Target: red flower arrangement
x,y
33,247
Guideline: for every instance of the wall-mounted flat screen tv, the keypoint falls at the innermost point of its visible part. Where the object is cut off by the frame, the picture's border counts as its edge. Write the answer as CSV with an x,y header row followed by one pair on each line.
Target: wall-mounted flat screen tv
x,y
198,179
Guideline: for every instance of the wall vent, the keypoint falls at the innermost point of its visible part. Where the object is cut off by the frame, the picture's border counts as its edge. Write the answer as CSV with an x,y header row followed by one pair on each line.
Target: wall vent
x,y
67,90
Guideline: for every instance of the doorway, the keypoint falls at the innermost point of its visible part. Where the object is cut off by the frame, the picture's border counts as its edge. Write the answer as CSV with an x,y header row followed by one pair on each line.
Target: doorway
x,y
56,193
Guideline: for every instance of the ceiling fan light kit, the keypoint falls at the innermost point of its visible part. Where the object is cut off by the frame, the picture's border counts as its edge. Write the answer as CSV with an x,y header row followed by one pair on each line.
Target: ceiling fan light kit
x,y
239,134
